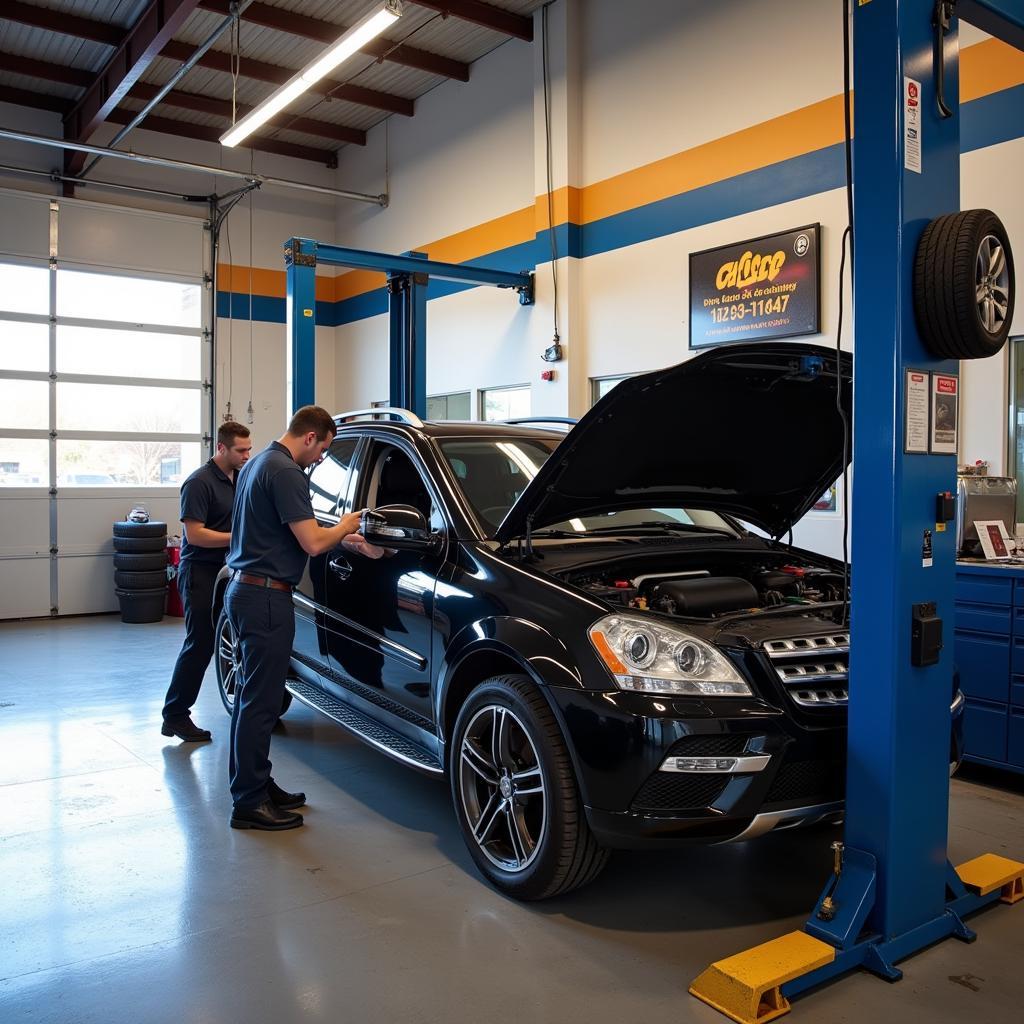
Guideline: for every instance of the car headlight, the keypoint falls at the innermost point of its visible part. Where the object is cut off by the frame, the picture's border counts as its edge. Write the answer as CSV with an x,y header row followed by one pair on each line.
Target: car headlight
x,y
646,655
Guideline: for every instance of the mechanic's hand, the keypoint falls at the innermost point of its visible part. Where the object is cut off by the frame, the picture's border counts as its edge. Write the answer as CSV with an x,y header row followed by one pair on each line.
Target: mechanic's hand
x,y
358,543
350,521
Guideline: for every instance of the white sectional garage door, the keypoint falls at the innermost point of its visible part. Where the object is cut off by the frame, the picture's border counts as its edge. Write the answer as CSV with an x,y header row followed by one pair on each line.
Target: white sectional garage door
x,y
104,371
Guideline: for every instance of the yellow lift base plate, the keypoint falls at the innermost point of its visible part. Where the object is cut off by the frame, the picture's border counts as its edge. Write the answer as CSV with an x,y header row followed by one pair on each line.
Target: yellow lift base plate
x,y
989,872
747,986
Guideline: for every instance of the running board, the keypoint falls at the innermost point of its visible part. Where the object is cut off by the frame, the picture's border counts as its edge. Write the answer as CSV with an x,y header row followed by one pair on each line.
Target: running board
x,y
379,736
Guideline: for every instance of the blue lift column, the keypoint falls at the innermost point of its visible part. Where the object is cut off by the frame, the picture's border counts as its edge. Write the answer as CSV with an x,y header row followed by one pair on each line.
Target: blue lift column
x,y
893,892
407,301
300,324
906,164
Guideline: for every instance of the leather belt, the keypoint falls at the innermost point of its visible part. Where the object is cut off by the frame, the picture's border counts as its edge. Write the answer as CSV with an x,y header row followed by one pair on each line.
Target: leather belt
x,y
262,581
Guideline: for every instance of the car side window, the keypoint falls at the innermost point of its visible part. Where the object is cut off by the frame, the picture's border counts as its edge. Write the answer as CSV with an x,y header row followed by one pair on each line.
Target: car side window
x,y
330,478
397,480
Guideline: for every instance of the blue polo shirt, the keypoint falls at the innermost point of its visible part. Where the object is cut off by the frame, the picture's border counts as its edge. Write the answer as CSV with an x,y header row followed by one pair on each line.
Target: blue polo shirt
x,y
207,496
271,492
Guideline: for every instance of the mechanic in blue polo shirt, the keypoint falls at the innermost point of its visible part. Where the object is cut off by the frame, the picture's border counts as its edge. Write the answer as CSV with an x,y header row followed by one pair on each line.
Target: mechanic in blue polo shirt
x,y
274,533
207,497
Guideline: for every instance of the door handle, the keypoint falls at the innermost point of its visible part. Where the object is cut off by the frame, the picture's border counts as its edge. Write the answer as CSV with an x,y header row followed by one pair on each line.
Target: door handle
x,y
341,567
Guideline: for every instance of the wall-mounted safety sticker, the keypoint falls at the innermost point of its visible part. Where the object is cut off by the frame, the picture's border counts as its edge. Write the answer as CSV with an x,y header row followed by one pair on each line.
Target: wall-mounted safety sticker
x,y
307,312
926,550
911,125
945,411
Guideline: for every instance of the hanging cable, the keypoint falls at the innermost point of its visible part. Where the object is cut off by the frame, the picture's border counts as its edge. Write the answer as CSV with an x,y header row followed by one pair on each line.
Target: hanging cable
x,y
844,414
231,318
236,64
554,352
249,412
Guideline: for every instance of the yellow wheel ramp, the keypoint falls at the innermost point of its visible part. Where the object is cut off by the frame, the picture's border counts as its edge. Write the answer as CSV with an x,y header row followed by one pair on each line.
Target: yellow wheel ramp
x,y
747,987
989,872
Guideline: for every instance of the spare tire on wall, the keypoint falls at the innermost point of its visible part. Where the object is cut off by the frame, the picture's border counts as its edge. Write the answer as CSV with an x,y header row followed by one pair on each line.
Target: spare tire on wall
x,y
964,285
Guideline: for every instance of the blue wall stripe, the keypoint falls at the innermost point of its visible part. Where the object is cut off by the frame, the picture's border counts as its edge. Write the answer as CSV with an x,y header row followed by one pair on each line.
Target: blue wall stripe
x,y
984,122
992,119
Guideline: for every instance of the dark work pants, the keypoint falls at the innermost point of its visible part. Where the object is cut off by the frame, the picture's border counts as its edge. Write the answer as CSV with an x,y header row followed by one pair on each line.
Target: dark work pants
x,y
264,623
195,584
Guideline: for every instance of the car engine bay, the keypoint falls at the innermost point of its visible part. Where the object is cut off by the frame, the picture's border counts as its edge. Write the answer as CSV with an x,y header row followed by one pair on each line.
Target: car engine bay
x,y
719,588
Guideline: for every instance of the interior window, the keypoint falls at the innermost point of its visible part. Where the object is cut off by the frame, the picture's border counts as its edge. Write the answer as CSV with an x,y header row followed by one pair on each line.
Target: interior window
x,y
397,481
329,480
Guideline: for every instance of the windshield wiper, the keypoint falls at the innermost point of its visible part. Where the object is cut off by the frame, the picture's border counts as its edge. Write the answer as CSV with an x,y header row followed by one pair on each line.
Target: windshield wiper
x,y
658,524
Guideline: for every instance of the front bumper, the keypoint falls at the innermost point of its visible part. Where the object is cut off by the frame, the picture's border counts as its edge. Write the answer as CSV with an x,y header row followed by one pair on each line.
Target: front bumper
x,y
619,742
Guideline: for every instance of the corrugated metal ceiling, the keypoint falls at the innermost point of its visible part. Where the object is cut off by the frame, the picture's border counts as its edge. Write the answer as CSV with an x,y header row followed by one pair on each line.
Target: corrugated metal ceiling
x,y
420,27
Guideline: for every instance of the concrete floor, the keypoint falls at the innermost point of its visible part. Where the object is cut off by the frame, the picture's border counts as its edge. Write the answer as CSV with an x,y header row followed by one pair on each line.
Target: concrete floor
x,y
125,896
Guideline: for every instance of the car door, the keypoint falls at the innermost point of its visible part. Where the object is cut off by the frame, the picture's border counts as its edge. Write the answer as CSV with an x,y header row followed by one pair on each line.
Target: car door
x,y
380,611
329,484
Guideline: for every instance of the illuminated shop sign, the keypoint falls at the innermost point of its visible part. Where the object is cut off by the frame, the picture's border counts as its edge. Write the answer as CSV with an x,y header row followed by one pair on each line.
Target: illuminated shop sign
x,y
762,288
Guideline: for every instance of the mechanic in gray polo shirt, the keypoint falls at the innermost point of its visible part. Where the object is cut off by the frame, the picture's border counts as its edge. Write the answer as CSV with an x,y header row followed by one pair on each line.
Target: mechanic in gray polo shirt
x,y
207,497
274,532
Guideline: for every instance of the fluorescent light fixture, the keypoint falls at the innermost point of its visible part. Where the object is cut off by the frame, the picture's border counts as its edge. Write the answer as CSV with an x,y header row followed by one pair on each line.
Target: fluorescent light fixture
x,y
380,18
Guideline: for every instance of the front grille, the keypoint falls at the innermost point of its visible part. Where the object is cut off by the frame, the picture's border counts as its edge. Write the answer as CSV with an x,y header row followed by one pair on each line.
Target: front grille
x,y
708,746
807,781
670,791
813,669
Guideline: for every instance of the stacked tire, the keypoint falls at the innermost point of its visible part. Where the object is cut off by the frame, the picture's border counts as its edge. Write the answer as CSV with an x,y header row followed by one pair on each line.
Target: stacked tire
x,y
140,570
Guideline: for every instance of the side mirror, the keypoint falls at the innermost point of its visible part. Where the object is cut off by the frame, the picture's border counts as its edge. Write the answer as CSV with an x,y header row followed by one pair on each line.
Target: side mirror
x,y
399,527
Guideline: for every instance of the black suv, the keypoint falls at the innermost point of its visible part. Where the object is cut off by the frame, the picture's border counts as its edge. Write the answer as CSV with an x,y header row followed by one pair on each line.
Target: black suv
x,y
579,629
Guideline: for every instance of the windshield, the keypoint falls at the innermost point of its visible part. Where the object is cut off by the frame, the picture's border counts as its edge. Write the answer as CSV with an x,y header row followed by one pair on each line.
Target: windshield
x,y
493,473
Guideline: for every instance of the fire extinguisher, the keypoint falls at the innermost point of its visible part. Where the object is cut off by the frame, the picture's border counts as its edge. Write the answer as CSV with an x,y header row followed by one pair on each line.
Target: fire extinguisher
x,y
174,605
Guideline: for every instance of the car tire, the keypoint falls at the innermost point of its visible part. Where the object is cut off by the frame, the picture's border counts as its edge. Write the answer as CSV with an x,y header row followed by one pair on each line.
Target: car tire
x,y
130,529
964,285
140,563
530,845
140,580
225,658
139,545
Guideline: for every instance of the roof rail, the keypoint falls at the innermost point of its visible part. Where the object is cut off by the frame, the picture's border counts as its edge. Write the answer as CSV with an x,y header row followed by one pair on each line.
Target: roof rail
x,y
557,420
385,410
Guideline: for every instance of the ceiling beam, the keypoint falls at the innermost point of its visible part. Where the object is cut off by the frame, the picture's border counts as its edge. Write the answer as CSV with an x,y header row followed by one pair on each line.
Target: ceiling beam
x,y
38,100
202,133
222,108
487,16
327,32
274,74
62,22
152,31
45,70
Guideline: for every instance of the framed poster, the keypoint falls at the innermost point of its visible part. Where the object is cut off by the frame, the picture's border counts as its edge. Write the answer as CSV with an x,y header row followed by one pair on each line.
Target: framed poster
x,y
915,416
945,412
763,288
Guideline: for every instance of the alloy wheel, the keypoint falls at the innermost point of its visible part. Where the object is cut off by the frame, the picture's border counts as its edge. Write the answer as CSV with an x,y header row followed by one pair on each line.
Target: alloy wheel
x,y
227,662
992,280
502,788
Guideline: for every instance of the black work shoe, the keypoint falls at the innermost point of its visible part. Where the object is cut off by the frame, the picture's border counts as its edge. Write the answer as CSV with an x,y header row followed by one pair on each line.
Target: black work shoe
x,y
185,729
268,817
283,800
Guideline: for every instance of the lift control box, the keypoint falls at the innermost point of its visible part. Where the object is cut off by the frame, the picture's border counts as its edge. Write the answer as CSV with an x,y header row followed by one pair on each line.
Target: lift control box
x,y
925,635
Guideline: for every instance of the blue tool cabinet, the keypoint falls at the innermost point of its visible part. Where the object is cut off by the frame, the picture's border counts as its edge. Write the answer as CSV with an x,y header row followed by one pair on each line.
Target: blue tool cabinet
x,y
990,657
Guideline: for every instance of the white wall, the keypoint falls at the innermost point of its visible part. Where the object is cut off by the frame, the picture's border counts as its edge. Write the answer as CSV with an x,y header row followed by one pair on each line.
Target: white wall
x,y
632,85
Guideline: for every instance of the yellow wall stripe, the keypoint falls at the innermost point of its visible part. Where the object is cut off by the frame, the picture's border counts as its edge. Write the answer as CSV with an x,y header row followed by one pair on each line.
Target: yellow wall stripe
x,y
985,68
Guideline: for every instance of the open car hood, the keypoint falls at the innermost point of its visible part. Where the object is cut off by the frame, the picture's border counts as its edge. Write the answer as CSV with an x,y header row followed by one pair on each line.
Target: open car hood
x,y
750,430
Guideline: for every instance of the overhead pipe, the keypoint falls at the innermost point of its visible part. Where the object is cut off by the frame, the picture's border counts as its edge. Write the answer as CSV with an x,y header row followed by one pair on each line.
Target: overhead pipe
x,y
184,165
56,176
235,13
